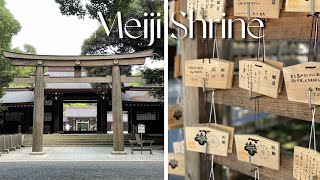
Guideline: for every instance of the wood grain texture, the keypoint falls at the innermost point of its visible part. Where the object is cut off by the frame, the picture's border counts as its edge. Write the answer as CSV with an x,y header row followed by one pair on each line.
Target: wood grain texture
x,y
238,97
301,6
108,79
204,9
38,111
284,173
275,29
257,8
175,116
214,73
266,152
306,163
217,141
178,160
118,139
261,77
227,129
299,78
190,49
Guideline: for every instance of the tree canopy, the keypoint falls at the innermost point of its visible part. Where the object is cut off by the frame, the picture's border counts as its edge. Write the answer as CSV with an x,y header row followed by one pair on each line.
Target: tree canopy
x,y
9,27
100,43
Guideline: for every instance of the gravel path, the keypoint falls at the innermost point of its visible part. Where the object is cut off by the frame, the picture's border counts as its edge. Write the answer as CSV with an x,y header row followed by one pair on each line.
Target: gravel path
x,y
113,170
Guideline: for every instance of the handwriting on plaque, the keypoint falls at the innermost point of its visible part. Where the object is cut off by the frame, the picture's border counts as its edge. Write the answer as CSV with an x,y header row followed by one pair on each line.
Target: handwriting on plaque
x,y
175,117
227,129
207,9
198,138
263,78
176,164
299,78
217,74
301,6
264,152
306,163
257,8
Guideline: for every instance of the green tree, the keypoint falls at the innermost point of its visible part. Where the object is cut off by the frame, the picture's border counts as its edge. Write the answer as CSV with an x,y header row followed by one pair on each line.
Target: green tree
x,y
99,43
9,27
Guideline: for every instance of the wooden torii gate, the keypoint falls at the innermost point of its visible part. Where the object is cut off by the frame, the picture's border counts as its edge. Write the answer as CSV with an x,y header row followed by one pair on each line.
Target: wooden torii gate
x,y
41,61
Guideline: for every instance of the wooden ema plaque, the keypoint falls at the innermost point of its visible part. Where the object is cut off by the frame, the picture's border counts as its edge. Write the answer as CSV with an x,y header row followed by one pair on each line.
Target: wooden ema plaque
x,y
306,164
223,128
207,9
217,141
177,66
175,117
299,78
301,6
176,164
265,78
258,8
217,74
264,152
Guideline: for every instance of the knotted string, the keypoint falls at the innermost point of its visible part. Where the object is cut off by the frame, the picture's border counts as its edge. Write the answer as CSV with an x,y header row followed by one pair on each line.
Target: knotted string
x,y
257,174
212,108
215,42
261,30
211,177
313,130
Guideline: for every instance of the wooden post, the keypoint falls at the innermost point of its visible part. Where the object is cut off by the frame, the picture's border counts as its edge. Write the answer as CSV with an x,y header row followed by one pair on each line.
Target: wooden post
x,y
77,71
118,141
103,111
56,116
189,51
38,113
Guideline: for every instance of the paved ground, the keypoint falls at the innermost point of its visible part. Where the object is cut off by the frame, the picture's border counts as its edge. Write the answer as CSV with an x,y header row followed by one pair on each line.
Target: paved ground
x,y
81,163
80,154
82,170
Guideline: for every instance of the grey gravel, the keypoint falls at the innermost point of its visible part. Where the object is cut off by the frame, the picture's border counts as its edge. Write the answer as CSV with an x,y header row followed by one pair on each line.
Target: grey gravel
x,y
113,170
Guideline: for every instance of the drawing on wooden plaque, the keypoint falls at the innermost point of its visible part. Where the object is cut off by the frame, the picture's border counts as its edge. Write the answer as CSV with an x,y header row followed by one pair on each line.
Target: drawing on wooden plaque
x,y
176,164
175,117
257,8
198,138
306,163
299,78
301,6
217,74
264,152
262,78
207,9
227,129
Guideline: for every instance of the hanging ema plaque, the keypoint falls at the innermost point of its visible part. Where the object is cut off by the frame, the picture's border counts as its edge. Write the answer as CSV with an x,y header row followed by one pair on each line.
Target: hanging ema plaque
x,y
302,78
198,138
264,152
301,6
262,78
257,8
216,74
306,164
207,9
175,117
176,164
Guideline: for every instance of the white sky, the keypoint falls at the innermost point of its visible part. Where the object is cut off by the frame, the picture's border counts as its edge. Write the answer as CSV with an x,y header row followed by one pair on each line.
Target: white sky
x,y
51,33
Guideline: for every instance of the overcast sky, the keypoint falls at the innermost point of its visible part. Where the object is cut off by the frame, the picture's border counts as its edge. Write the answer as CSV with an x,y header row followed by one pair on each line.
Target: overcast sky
x,y
49,32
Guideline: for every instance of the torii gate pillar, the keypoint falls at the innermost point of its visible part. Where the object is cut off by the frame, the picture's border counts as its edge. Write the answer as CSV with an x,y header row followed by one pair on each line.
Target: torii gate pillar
x,y
38,113
117,114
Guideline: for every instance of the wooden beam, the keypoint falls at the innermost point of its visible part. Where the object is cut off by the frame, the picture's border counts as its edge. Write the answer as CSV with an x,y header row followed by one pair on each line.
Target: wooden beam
x,y
108,79
83,63
290,26
232,162
77,71
32,57
238,97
